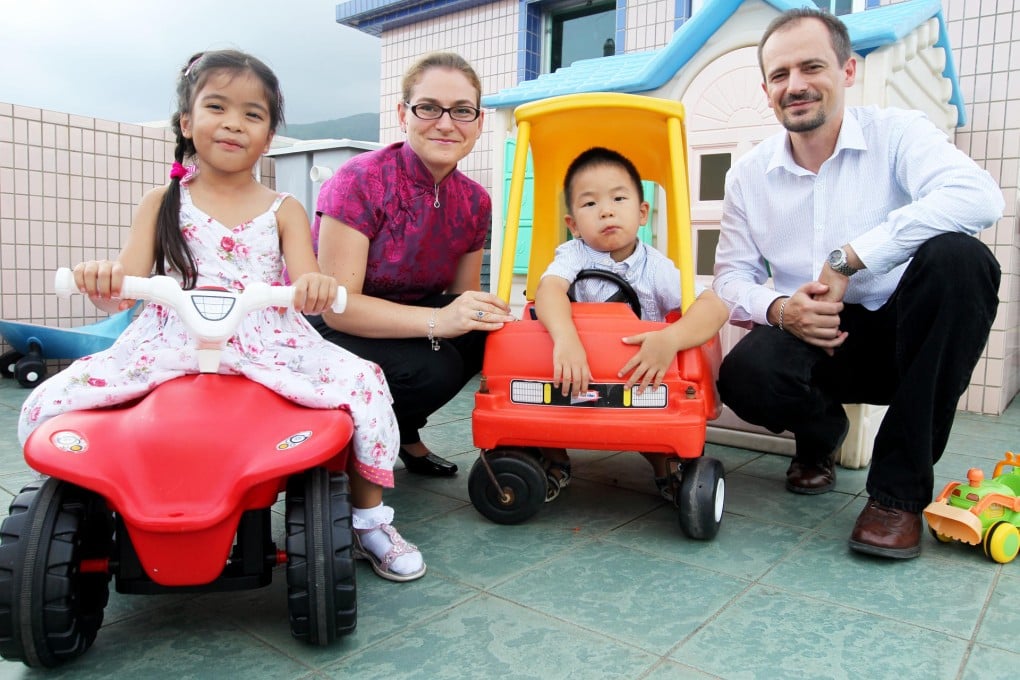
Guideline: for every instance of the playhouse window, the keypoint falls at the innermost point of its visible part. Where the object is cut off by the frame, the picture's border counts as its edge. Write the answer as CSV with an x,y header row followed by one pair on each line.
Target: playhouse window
x,y
712,180
579,32
839,7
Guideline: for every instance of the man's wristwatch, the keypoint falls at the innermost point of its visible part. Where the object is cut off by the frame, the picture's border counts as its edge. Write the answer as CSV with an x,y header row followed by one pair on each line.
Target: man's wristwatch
x,y
839,264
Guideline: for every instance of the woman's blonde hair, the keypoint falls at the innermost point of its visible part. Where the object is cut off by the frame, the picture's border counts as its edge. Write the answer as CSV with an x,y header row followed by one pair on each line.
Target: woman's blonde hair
x,y
447,60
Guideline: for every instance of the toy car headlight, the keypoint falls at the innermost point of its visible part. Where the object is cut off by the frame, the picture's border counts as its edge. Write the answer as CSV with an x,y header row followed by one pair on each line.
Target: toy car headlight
x,y
650,398
529,392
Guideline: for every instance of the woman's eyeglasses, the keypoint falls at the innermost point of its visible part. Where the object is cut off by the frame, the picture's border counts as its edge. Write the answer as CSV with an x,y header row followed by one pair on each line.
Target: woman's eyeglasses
x,y
461,113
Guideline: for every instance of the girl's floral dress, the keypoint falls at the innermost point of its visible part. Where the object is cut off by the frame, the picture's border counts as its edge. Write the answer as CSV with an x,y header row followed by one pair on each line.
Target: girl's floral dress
x,y
277,348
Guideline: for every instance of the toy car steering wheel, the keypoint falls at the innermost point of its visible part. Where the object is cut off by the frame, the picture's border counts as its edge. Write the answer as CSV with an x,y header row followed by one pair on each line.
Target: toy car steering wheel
x,y
626,292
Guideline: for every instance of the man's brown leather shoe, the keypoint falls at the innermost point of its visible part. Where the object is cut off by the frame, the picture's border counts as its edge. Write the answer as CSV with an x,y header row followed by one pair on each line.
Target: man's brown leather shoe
x,y
887,532
811,477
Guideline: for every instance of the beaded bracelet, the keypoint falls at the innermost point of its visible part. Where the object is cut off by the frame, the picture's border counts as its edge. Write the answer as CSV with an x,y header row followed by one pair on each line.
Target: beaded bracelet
x,y
782,308
432,330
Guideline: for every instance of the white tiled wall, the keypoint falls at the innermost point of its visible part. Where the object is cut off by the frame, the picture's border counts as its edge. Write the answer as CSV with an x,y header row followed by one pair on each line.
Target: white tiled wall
x,y
986,48
68,185
649,24
68,189
490,48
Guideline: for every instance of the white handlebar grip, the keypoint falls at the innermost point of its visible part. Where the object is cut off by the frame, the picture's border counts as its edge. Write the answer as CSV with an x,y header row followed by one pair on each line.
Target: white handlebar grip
x,y
135,288
63,283
340,304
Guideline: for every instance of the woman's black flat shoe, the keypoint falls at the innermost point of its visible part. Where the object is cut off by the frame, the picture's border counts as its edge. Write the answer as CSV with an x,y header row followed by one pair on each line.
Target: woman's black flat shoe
x,y
430,465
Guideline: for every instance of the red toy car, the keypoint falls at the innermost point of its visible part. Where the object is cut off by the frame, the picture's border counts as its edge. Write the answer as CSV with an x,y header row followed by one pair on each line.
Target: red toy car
x,y
172,492
517,409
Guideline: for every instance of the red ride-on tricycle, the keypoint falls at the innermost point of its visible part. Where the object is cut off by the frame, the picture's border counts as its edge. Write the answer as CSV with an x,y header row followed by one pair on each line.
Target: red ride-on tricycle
x,y
172,492
518,411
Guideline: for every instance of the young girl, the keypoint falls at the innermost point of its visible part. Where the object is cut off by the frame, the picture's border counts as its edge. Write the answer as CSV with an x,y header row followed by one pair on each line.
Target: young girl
x,y
215,225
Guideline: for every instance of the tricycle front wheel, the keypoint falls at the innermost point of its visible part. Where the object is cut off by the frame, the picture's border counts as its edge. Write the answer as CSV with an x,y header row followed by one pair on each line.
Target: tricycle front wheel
x,y
51,607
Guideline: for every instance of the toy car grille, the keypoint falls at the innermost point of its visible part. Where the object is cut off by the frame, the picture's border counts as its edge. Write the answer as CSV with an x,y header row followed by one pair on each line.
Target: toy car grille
x,y
213,307
600,395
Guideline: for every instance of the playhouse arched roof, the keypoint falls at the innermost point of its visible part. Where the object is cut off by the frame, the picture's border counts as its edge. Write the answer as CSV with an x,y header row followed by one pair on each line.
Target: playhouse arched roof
x,y
644,71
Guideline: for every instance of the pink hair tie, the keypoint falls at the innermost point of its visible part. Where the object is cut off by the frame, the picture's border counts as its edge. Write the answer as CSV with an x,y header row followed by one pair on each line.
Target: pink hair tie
x,y
177,171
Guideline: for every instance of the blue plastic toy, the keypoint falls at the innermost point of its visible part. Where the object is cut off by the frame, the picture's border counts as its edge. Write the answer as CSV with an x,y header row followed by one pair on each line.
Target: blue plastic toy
x,y
34,343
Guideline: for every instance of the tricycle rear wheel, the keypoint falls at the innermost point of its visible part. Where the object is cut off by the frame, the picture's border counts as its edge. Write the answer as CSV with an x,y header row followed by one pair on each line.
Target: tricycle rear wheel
x,y
321,588
50,609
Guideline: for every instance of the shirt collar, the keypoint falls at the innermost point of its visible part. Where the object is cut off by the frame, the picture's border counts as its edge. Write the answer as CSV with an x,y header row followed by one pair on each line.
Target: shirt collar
x,y
850,137
414,167
606,260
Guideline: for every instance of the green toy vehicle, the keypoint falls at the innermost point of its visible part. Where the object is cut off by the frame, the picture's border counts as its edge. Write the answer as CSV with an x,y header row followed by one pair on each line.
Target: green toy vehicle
x,y
981,511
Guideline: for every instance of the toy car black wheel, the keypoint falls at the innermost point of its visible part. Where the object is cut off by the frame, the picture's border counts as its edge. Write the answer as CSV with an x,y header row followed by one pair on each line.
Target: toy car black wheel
x,y
941,538
521,486
30,371
701,497
321,588
7,362
1001,542
51,606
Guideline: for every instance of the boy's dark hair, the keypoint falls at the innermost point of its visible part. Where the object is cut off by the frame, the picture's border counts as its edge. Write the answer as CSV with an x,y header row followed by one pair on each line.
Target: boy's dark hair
x,y
838,35
597,156
170,244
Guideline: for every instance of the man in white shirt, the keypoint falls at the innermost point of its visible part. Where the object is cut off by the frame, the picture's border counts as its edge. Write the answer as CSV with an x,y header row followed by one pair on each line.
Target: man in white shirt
x,y
864,218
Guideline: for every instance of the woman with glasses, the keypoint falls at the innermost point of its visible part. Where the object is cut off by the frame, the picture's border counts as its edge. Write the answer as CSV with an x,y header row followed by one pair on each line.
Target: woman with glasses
x,y
403,230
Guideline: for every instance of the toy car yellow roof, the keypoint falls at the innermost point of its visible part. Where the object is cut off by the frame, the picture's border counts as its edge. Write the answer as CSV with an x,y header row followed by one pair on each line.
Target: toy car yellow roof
x,y
647,130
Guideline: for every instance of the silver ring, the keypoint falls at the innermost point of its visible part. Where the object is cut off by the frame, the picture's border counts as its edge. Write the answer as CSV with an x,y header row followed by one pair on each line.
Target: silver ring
x,y
479,314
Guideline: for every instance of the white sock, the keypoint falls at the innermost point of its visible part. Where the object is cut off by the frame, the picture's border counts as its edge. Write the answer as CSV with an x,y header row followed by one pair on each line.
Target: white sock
x,y
369,523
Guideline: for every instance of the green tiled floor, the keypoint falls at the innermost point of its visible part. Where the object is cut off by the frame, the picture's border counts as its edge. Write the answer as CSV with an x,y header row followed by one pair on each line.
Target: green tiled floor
x,y
602,584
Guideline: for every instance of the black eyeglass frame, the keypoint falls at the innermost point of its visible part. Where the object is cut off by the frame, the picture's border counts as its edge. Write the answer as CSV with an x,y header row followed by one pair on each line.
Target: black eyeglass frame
x,y
443,109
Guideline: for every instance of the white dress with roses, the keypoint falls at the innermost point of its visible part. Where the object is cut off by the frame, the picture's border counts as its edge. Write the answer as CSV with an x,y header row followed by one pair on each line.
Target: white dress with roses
x,y
274,347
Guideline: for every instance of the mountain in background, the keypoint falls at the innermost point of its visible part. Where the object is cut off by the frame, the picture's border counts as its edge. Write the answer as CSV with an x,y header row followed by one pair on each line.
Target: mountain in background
x,y
361,127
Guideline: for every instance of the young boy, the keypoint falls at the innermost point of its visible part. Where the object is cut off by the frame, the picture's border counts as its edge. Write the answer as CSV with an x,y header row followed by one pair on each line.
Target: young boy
x,y
605,209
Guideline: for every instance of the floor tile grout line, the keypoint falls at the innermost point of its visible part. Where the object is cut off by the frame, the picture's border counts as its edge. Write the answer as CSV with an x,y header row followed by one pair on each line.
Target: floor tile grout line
x,y
573,624
410,625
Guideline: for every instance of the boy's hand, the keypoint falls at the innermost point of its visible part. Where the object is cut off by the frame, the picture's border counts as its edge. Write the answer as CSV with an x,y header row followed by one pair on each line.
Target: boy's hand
x,y
570,368
314,293
657,350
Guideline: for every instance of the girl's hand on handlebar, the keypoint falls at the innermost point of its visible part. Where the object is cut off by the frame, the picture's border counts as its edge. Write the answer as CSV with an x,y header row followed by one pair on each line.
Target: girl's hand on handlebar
x,y
101,280
314,293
